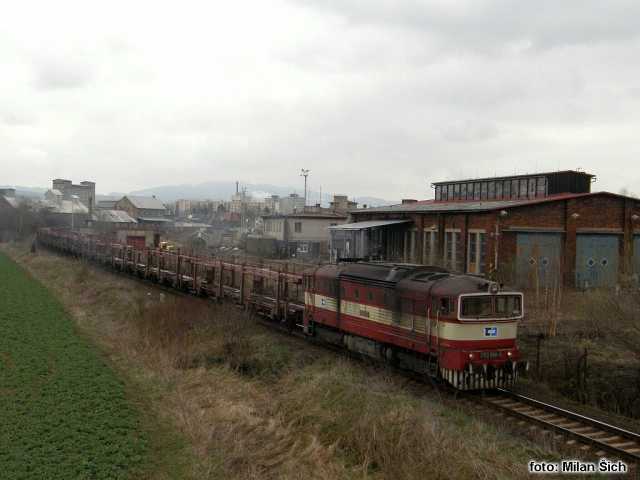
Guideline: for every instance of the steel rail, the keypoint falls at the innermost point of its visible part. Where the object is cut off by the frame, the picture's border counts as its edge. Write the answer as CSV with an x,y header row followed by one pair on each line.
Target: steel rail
x,y
601,436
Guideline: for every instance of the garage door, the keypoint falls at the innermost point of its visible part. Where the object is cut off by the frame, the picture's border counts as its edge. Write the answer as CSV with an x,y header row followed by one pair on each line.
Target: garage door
x,y
136,242
538,259
597,260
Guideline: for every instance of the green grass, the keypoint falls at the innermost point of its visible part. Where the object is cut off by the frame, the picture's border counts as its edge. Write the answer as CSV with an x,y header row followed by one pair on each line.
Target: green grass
x,y
63,411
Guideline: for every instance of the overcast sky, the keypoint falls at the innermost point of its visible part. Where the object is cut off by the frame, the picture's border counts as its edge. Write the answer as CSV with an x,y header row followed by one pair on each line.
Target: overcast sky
x,y
375,97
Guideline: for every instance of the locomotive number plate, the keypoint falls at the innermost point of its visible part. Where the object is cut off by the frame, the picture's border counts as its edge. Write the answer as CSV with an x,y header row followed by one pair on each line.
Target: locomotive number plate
x,y
489,355
490,331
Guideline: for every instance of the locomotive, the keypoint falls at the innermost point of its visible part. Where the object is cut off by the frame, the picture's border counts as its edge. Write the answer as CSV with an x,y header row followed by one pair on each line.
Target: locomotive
x,y
458,328
461,328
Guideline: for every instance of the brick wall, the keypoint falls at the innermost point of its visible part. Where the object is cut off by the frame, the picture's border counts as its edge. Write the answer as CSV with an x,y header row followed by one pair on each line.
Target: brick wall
x,y
604,213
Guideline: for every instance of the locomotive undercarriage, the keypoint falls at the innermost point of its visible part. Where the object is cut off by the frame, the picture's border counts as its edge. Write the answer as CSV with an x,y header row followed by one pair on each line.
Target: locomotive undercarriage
x,y
477,377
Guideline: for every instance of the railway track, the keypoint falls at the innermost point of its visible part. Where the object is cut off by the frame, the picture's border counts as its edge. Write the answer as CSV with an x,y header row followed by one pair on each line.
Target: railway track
x,y
594,435
587,433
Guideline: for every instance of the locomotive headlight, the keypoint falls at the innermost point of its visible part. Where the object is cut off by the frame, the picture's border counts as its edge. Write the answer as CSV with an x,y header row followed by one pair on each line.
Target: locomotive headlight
x,y
471,356
509,354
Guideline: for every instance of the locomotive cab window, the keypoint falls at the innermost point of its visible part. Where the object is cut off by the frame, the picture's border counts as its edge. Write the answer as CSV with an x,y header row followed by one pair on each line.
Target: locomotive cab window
x,y
476,307
490,306
508,306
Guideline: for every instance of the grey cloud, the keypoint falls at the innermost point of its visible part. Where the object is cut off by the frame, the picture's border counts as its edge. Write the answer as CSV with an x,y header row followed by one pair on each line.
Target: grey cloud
x,y
486,25
375,97
18,119
470,132
52,74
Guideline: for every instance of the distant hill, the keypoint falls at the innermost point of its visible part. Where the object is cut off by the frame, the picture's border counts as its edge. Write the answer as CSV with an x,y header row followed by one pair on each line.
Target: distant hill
x,y
28,192
223,190
212,191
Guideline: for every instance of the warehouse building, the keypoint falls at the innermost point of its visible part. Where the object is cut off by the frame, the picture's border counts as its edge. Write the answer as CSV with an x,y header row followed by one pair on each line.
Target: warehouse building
x,y
529,230
145,210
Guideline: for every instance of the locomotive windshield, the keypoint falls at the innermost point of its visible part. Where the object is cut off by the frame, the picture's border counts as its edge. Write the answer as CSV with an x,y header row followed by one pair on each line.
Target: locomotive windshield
x,y
490,306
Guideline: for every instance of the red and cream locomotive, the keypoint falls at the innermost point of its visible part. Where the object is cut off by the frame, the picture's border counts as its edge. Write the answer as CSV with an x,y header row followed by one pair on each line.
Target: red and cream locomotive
x,y
461,328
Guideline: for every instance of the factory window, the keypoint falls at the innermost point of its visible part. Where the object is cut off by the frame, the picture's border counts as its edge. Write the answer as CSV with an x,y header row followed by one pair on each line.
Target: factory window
x,y
476,249
429,247
476,191
532,187
451,240
463,191
297,227
492,190
506,190
514,188
483,195
438,192
523,188
542,187
499,190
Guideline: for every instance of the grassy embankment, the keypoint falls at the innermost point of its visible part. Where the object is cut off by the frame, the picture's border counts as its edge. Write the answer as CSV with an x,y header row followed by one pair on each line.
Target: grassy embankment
x,y
590,353
257,404
63,412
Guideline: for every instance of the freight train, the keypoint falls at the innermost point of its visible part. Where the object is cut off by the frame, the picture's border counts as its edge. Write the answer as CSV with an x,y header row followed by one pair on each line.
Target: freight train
x,y
458,328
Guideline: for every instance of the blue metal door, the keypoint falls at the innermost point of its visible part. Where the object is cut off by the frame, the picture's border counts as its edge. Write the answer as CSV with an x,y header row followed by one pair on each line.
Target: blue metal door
x,y
597,260
538,259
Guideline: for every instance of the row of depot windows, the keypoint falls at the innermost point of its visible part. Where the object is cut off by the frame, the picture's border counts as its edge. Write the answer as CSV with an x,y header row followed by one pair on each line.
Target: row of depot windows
x,y
509,189
452,253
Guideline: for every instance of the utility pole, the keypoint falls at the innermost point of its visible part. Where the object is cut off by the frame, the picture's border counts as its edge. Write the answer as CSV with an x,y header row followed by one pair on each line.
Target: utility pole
x,y
305,173
73,199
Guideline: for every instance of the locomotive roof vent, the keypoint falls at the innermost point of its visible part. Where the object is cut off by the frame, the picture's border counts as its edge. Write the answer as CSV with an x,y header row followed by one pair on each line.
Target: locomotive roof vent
x,y
430,276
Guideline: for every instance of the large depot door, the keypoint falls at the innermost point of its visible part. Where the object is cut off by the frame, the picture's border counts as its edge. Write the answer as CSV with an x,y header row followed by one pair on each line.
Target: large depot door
x,y
538,259
597,260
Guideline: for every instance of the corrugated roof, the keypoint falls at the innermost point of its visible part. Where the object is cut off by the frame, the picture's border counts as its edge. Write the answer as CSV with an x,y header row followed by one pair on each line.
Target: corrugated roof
x,y
12,201
107,204
505,177
114,216
154,219
365,225
307,215
147,203
427,206
66,206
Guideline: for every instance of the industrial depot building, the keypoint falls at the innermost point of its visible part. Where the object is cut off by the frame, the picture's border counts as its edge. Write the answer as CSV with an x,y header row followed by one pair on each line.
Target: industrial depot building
x,y
533,230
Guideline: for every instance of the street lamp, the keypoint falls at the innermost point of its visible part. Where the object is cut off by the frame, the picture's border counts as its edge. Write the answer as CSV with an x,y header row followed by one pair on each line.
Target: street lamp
x,y
305,173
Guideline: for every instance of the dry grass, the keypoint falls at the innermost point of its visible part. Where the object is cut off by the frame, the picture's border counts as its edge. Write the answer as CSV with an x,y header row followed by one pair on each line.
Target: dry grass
x,y
594,358
252,403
